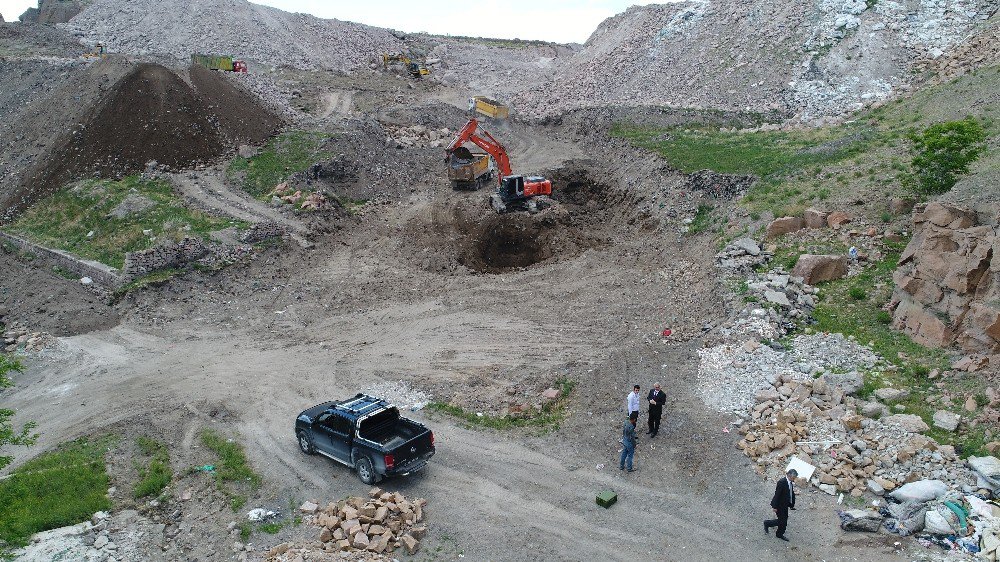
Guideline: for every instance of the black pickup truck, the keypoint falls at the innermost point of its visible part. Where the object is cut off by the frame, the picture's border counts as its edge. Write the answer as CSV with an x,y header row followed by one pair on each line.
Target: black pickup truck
x,y
367,434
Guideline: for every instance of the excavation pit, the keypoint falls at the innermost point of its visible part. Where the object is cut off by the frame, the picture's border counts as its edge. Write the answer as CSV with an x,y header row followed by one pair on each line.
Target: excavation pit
x,y
506,243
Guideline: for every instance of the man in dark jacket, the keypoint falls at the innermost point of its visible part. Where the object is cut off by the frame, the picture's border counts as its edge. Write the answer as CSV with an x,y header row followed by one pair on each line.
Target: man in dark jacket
x,y
656,399
628,441
783,500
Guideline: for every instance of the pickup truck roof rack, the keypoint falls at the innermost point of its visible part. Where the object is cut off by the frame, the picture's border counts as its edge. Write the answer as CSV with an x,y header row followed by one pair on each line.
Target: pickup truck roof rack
x,y
362,404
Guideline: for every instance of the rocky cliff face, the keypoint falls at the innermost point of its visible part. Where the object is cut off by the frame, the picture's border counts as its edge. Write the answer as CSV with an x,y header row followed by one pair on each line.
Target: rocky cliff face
x,y
948,280
52,11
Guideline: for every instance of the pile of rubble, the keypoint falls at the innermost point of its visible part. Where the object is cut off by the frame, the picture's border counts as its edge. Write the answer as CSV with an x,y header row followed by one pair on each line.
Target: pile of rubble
x,y
418,136
283,195
256,33
18,337
816,420
732,377
360,529
763,55
742,256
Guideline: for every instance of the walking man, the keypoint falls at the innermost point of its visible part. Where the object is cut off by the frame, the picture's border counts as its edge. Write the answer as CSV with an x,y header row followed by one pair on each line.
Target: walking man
x,y
656,400
632,402
783,500
628,442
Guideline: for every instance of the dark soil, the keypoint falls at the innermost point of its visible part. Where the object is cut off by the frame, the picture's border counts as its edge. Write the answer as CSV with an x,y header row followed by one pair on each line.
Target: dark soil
x,y
150,115
32,294
240,115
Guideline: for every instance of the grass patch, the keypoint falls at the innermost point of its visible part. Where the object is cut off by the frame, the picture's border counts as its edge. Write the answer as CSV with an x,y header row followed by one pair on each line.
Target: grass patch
x,y
284,155
157,474
77,219
763,154
702,220
233,465
62,487
549,417
148,280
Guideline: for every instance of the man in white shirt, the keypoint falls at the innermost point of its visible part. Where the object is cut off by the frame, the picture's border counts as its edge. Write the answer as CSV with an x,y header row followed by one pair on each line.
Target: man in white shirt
x,y
632,402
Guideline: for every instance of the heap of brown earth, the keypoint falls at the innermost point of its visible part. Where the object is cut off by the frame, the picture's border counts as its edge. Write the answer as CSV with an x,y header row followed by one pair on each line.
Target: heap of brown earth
x,y
372,528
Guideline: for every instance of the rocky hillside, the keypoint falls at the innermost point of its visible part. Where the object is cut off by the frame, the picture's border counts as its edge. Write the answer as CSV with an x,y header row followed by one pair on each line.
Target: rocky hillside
x,y
52,11
256,33
806,58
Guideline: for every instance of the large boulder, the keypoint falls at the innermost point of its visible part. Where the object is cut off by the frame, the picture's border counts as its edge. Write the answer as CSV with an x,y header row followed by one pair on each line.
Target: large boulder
x,y
818,268
837,219
783,225
946,420
909,422
814,218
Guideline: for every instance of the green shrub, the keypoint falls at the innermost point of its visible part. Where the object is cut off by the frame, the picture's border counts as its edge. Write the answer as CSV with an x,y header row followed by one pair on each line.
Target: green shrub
x,y
883,317
9,435
943,152
857,293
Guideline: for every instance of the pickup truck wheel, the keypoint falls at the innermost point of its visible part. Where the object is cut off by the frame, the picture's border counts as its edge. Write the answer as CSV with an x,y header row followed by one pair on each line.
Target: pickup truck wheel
x,y
366,472
305,444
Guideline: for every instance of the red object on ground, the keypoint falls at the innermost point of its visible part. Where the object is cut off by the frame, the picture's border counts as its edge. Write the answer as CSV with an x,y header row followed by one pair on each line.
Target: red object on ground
x,y
667,332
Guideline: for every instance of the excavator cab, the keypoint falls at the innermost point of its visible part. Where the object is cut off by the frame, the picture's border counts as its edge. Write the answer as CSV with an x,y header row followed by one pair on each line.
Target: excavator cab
x,y
519,192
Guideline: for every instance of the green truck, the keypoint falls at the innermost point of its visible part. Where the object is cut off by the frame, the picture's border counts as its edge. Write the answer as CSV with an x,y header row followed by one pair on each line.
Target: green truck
x,y
219,62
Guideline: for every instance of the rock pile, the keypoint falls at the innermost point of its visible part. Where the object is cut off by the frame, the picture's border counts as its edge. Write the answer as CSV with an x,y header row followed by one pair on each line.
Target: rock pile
x,y
817,58
742,256
418,136
731,377
18,337
816,420
790,299
720,186
252,32
946,284
360,529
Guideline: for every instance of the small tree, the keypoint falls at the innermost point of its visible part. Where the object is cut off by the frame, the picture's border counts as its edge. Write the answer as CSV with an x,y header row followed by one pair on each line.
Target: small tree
x,y
8,434
943,152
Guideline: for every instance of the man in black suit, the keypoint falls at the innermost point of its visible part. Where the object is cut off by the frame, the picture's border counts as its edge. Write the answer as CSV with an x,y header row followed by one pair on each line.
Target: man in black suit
x,y
656,399
783,500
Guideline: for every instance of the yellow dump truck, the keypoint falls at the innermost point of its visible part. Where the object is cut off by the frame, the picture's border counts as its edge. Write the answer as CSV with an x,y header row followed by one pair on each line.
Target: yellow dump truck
x,y
219,62
489,107
469,170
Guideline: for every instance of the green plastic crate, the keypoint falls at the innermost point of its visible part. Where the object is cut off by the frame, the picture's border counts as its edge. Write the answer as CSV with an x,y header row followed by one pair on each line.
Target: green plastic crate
x,y
606,498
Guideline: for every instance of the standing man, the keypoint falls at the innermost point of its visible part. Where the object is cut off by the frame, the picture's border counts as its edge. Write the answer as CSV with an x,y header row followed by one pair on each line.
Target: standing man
x,y
783,500
628,441
656,401
632,402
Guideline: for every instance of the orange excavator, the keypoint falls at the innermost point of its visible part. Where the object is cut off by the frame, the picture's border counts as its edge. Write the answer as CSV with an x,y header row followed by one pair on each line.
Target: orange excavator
x,y
514,192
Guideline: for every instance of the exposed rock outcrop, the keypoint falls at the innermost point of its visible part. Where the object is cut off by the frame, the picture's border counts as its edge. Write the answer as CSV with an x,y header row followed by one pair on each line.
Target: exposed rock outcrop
x,y
52,11
948,282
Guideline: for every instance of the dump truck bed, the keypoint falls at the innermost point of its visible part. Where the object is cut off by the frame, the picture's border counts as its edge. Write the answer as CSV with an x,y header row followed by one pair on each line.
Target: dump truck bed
x,y
471,170
490,107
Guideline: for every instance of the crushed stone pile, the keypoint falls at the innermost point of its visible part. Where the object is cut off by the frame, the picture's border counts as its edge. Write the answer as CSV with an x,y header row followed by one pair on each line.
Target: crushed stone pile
x,y
815,420
232,27
359,529
811,59
731,376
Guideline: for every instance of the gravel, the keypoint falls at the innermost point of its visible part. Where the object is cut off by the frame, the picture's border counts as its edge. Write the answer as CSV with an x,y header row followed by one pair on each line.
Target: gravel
x,y
248,31
812,59
729,376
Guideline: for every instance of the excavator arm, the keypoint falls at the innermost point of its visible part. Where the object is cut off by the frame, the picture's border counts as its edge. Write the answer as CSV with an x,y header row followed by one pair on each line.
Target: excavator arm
x,y
484,140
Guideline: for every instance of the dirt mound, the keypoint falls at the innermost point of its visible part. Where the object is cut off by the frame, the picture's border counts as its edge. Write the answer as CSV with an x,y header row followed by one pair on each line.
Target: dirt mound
x,y
241,116
150,114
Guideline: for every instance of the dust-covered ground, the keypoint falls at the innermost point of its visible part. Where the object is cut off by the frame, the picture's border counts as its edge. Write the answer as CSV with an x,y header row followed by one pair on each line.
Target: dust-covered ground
x,y
425,285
